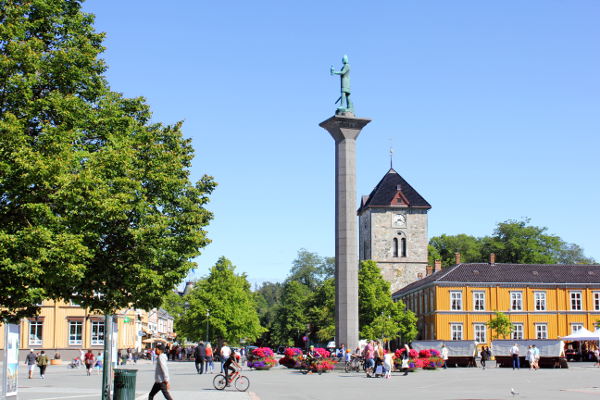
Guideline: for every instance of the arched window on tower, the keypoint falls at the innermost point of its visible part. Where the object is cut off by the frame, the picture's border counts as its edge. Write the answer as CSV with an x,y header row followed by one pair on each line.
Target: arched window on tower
x,y
403,243
395,249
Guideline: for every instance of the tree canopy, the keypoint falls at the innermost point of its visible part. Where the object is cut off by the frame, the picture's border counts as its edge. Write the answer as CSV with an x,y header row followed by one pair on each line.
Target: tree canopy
x,y
96,203
513,241
231,307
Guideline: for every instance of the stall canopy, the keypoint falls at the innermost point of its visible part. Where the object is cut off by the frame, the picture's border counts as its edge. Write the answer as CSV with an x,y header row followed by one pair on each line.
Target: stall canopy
x,y
456,348
547,347
582,334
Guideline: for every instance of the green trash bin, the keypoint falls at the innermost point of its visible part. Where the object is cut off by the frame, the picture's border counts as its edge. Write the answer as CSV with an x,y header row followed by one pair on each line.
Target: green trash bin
x,y
124,386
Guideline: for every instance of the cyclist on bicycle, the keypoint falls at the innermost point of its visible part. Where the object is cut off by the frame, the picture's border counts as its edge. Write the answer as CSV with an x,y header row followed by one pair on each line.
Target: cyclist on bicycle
x,y
311,358
231,364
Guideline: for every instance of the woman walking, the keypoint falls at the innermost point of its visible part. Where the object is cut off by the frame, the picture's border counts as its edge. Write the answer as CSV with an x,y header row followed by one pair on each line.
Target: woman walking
x,y
485,355
209,358
90,360
42,363
404,359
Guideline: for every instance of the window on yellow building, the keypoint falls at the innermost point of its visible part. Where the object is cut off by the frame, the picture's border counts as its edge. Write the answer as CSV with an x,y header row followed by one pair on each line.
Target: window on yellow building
x,y
97,338
597,301
516,301
35,333
456,331
75,329
456,301
517,332
541,331
479,301
575,301
576,327
540,301
480,333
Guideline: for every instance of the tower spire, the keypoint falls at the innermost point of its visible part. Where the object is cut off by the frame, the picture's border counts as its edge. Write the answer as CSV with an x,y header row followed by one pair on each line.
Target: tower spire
x,y
391,155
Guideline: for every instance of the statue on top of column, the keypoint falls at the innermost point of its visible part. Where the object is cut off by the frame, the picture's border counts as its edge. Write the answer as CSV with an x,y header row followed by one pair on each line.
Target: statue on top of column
x,y
344,100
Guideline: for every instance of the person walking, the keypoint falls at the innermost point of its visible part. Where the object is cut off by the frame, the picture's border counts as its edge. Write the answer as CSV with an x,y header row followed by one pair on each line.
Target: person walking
x,y
209,358
90,360
536,357
444,354
388,363
405,358
514,352
30,361
42,363
485,355
224,355
161,375
199,357
98,365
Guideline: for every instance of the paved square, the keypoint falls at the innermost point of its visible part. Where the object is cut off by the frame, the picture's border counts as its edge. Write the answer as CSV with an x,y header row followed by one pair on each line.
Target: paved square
x,y
580,381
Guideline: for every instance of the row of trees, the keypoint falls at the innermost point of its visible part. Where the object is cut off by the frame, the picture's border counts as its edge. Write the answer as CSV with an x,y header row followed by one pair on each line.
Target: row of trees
x,y
513,241
284,313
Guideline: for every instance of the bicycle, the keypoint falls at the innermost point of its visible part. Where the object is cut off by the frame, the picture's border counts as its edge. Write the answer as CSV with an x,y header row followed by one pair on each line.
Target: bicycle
x,y
355,365
75,363
240,382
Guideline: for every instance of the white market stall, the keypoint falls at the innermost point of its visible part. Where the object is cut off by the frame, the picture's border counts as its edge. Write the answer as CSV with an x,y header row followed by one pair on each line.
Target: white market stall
x,y
461,353
551,352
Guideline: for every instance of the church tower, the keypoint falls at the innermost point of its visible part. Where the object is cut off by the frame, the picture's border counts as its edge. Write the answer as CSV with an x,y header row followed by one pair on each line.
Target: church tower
x,y
393,230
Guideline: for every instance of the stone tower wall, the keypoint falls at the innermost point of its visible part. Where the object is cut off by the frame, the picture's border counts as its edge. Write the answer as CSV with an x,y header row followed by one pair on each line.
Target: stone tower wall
x,y
377,229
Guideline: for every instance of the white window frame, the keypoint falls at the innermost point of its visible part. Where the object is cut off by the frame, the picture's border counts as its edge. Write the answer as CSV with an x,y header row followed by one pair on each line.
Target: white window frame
x,y
517,331
36,332
596,301
479,303
456,331
539,299
480,331
576,300
456,303
73,337
576,326
97,333
541,331
516,300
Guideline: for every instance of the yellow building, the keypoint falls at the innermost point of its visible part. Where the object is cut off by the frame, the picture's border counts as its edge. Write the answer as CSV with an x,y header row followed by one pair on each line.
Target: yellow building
x,y
67,327
541,301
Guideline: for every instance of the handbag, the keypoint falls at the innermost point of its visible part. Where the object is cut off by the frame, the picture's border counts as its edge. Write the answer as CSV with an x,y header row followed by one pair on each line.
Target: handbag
x,y
405,363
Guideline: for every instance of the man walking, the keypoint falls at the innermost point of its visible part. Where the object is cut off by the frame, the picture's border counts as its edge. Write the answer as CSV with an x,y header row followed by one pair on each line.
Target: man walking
x,y
514,351
30,362
199,357
161,375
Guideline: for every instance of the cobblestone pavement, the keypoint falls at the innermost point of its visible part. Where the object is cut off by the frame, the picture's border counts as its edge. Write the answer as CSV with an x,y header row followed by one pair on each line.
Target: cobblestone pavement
x,y
580,381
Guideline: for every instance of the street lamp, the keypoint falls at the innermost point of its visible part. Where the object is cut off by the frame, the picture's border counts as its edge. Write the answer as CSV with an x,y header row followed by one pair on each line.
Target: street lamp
x,y
207,315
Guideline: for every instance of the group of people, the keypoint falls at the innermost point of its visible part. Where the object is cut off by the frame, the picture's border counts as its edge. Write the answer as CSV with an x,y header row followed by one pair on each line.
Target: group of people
x,y
532,357
33,359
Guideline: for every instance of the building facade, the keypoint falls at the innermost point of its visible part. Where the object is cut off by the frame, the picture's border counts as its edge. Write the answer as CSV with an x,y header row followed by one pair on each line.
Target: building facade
x,y
393,230
541,301
66,328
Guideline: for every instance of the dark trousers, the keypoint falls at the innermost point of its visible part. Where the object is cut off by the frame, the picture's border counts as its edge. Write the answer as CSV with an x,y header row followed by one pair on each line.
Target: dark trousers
x,y
42,369
516,362
199,365
162,387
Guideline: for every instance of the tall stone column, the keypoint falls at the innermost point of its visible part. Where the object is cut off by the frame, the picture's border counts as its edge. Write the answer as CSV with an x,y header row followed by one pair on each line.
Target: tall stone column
x,y
345,128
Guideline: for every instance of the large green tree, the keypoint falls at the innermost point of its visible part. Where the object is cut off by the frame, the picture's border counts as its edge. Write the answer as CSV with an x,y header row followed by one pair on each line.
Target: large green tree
x,y
268,298
231,307
310,269
379,315
513,241
291,320
96,203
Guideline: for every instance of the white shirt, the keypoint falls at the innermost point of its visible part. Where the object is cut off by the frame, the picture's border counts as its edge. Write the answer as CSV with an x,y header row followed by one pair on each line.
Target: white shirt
x,y
225,352
514,350
445,353
161,373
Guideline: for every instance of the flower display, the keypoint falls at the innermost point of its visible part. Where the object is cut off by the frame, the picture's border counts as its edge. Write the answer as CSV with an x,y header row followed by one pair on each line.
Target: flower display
x,y
292,358
424,359
322,352
261,358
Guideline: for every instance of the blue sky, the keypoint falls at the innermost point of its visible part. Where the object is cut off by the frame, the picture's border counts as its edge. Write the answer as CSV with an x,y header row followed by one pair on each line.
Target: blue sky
x,y
492,109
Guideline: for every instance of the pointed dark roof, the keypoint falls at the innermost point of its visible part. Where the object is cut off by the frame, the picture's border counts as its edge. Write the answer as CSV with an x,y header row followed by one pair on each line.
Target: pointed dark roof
x,y
475,274
390,187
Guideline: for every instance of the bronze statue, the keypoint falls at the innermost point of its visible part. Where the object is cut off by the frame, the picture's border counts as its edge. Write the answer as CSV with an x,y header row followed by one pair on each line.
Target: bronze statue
x,y
344,100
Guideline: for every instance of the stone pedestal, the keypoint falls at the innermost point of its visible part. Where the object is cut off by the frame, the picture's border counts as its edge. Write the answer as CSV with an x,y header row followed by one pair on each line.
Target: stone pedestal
x,y
345,128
